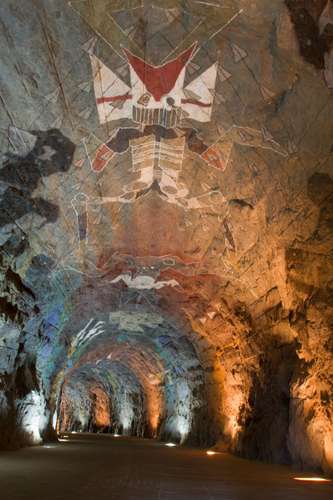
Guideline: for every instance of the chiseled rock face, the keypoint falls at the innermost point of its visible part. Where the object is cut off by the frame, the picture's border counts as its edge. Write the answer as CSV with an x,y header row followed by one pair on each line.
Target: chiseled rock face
x,y
166,230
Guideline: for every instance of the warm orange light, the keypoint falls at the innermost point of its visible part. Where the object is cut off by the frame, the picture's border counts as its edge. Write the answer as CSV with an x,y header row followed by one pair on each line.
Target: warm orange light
x,y
314,479
211,452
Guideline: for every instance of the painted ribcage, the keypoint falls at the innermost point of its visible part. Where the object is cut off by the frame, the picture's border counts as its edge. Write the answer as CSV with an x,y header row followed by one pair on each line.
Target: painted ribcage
x,y
163,155
171,153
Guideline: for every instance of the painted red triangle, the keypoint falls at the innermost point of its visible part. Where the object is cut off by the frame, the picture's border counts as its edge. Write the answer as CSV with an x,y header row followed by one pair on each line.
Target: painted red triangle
x,y
159,80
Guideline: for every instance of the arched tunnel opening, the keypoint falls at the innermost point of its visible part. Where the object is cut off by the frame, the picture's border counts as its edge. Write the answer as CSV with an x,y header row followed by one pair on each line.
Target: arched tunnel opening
x,y
137,373
166,249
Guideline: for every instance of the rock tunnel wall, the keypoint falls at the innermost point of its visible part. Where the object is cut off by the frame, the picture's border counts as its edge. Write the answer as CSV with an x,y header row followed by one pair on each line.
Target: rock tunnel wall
x,y
166,194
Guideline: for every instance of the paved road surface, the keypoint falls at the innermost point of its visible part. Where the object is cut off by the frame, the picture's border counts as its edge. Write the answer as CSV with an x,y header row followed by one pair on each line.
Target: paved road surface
x,y
100,467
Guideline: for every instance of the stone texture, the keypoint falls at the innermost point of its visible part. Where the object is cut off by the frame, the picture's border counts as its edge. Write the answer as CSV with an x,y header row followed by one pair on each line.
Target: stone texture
x,y
171,278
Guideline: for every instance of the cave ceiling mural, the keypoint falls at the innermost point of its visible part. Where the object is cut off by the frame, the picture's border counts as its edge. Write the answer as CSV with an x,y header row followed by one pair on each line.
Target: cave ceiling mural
x,y
166,219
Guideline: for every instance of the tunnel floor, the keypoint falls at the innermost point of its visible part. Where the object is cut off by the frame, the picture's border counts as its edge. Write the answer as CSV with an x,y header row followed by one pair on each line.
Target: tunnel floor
x,y
104,467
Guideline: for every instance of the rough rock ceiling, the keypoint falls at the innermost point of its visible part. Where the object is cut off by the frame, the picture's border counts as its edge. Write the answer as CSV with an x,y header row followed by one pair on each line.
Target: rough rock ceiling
x,y
166,221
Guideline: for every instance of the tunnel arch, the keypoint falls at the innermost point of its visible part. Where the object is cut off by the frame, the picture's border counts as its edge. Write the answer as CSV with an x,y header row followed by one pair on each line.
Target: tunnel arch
x,y
121,392
223,230
135,339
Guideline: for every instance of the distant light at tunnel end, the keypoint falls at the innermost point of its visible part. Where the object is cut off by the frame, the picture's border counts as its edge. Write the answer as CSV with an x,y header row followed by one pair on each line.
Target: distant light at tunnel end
x,y
211,452
313,479
170,445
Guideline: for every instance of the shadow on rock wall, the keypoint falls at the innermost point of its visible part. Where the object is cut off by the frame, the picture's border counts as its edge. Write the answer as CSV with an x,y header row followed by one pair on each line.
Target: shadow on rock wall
x,y
313,22
37,155
266,425
24,418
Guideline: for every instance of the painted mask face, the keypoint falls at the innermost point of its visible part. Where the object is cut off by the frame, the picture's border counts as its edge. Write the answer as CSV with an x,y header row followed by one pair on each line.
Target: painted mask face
x,y
159,102
157,95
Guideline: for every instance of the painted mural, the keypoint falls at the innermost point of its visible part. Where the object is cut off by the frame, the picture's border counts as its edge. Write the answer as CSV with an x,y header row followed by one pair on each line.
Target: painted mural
x,y
156,136
165,220
158,114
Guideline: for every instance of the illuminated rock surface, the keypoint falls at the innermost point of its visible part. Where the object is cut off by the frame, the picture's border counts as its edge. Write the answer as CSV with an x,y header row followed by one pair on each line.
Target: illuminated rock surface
x,y
166,224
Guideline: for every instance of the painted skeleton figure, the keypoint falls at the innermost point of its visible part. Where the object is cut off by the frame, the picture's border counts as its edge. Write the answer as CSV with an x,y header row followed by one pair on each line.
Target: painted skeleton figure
x,y
158,102
157,157
151,155
160,105
152,149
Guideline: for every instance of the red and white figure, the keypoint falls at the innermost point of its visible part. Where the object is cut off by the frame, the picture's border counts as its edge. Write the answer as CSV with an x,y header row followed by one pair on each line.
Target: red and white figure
x,y
157,95
156,170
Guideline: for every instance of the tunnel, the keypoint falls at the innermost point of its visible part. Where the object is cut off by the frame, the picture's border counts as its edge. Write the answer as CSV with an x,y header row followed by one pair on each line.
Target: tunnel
x,y
166,249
